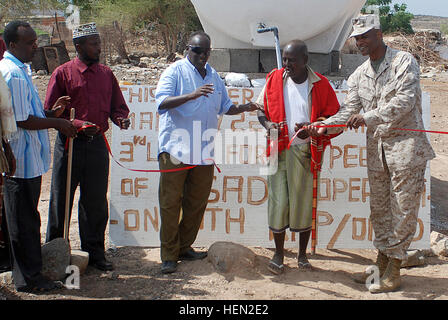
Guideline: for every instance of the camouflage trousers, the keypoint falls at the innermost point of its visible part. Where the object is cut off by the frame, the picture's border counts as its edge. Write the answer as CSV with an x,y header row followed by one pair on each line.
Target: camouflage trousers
x,y
394,205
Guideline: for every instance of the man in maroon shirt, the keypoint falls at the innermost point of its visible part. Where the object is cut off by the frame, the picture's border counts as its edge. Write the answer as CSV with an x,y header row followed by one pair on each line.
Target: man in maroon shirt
x,y
96,97
2,48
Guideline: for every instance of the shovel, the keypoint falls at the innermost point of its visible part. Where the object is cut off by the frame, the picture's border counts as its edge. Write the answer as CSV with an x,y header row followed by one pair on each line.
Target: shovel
x,y
78,257
69,180
56,268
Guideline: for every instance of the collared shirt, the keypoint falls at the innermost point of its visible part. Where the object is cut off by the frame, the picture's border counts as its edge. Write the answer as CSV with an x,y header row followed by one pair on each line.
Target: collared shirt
x,y
391,98
187,131
94,91
31,148
297,109
311,80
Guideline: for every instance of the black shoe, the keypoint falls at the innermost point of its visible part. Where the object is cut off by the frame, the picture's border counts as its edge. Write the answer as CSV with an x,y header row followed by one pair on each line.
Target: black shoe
x,y
101,264
169,266
40,284
190,255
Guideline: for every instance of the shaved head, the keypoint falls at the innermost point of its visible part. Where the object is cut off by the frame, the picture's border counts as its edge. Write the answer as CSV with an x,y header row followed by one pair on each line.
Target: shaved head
x,y
295,58
297,47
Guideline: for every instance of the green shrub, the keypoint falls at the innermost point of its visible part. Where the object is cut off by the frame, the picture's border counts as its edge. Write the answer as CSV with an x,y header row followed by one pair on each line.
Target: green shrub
x,y
444,28
392,19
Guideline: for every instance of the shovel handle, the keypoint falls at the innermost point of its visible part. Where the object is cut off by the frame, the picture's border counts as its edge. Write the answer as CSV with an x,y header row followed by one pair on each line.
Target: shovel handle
x,y
69,180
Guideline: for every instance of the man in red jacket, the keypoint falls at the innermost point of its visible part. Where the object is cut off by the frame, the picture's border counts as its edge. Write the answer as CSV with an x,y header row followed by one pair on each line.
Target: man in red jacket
x,y
293,97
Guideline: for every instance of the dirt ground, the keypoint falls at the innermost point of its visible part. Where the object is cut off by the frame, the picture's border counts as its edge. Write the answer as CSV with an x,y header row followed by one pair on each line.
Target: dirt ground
x,y
137,270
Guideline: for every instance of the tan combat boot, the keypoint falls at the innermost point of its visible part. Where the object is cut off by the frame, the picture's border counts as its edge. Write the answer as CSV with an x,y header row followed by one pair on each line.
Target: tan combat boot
x,y
390,281
381,262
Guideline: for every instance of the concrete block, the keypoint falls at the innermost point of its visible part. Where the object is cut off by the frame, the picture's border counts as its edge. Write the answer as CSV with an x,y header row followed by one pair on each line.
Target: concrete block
x,y
244,60
220,60
320,62
349,63
268,60
335,61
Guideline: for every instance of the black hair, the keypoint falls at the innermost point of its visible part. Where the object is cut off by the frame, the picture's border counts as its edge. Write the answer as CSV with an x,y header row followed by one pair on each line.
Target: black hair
x,y
11,32
200,33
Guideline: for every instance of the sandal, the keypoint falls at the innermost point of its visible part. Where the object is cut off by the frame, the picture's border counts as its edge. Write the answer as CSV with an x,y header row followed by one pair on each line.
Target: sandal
x,y
276,268
304,265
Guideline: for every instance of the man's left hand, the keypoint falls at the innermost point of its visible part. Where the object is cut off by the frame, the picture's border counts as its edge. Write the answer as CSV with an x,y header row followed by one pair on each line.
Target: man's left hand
x,y
355,121
303,134
59,106
124,123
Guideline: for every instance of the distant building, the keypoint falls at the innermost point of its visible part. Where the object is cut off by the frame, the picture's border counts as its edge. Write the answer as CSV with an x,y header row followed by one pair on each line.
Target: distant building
x,y
54,23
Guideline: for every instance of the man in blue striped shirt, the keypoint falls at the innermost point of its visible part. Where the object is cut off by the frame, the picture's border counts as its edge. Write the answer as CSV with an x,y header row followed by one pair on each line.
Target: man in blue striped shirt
x,y
31,148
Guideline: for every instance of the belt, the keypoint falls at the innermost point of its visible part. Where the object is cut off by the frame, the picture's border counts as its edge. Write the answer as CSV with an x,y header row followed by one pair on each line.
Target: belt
x,y
84,137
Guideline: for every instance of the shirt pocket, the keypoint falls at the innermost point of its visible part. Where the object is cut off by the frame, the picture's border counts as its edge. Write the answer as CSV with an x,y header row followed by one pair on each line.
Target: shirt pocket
x,y
76,90
215,101
367,98
389,91
101,98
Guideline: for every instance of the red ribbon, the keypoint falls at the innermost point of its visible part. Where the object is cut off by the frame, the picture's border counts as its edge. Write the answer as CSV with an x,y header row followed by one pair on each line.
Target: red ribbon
x,y
344,126
136,170
141,170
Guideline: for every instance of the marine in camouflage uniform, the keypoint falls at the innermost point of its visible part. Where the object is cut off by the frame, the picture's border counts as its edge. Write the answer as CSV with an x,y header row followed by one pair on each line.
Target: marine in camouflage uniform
x,y
387,89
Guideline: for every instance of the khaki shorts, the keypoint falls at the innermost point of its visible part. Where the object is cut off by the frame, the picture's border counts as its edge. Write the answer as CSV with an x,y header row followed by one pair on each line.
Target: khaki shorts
x,y
290,201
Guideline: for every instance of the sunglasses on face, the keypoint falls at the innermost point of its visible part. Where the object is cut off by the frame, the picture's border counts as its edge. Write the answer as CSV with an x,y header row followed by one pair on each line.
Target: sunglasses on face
x,y
199,50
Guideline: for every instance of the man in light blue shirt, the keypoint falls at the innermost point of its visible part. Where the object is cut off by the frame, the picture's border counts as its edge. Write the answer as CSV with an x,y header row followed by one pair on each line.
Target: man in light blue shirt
x,y
190,96
31,149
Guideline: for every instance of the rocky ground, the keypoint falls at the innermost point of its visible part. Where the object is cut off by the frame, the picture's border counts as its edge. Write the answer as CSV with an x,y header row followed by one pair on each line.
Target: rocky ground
x,y
137,270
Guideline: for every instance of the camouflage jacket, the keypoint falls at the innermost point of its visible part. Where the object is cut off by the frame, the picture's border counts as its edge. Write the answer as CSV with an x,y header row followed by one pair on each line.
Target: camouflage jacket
x,y
390,98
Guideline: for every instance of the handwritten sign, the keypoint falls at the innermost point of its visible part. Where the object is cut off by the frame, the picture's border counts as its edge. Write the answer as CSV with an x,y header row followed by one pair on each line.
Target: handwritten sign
x,y
237,209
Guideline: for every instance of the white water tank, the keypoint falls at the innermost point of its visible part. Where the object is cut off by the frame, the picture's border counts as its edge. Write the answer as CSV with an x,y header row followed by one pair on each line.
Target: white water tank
x,y
323,24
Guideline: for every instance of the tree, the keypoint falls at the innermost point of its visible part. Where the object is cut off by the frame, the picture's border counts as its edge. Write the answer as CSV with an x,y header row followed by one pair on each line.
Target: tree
x,y
10,10
392,19
172,19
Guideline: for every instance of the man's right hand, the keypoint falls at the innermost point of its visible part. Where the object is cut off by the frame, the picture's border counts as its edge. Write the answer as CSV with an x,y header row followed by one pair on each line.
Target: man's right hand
x,y
90,129
66,128
315,129
205,90
270,126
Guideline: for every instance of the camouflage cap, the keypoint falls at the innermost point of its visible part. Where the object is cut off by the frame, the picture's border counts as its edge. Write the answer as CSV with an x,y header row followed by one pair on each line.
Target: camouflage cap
x,y
364,23
85,30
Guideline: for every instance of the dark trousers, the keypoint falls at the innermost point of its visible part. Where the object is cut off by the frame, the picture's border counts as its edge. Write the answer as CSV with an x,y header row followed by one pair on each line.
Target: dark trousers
x,y
5,260
5,257
187,190
90,170
21,198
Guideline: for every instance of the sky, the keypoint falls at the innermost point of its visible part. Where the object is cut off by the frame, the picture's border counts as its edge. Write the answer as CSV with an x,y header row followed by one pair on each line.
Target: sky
x,y
426,7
